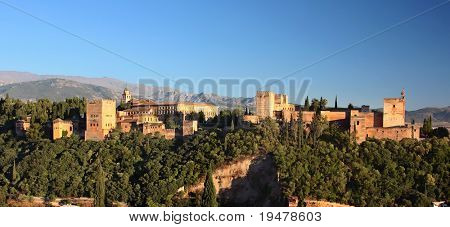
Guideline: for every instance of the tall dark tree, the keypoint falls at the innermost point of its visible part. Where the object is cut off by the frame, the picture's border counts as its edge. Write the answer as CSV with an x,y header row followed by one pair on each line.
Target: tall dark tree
x,y
427,128
232,123
209,192
14,173
318,125
315,105
336,102
300,131
100,185
323,103
307,105
201,117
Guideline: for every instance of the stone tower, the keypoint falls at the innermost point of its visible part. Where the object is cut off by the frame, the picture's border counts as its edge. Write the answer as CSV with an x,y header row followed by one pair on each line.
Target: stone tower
x,y
126,96
394,111
100,119
265,104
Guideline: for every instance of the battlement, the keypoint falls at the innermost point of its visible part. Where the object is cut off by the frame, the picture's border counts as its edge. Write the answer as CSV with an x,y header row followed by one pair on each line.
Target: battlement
x,y
100,101
264,93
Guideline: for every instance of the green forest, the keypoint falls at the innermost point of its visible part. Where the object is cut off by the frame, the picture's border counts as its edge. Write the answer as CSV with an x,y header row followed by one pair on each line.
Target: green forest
x,y
318,161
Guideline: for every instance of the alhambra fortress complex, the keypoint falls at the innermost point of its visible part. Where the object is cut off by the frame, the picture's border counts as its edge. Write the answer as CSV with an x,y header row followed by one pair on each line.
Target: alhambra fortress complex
x,y
102,117
363,122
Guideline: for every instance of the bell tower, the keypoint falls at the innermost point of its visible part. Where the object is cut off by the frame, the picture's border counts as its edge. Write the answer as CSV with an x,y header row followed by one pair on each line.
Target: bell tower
x,y
126,96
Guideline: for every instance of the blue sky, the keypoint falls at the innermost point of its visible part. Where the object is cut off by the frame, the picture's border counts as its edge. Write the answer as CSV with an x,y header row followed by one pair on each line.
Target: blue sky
x,y
241,39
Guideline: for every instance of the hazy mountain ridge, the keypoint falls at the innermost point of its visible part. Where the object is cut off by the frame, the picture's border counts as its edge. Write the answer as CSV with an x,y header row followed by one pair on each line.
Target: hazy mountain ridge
x,y
440,116
28,86
55,89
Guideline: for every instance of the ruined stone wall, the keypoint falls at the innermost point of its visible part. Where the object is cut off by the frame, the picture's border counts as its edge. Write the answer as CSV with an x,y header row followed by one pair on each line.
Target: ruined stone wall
x,y
358,127
394,133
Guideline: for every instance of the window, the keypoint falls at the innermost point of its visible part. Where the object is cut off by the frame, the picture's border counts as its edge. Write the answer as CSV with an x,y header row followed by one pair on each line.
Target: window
x,y
394,106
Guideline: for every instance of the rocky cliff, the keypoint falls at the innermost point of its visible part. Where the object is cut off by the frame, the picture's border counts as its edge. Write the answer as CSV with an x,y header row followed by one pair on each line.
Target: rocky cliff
x,y
251,181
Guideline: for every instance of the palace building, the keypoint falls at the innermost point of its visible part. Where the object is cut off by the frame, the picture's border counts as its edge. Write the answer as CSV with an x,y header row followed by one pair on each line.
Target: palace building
x,y
362,122
61,128
163,109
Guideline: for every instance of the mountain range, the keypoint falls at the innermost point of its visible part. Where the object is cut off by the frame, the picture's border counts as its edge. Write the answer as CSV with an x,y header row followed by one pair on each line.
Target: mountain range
x,y
29,86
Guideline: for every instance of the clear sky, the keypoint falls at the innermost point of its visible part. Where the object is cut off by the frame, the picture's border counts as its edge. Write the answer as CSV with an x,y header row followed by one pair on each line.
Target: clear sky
x,y
241,39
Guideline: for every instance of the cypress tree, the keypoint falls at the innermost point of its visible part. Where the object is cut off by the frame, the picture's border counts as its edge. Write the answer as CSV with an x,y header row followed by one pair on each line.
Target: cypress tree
x,y
336,103
14,173
209,191
300,130
306,107
427,128
100,186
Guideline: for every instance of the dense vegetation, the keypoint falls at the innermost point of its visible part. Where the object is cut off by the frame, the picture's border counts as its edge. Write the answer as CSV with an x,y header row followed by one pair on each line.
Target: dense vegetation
x,y
374,173
320,162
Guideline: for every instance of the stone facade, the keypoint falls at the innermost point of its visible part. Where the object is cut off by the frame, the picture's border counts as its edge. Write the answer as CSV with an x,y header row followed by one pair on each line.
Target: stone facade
x,y
157,128
100,119
394,112
251,118
389,124
269,104
163,109
139,118
61,127
363,123
22,126
170,108
265,104
189,128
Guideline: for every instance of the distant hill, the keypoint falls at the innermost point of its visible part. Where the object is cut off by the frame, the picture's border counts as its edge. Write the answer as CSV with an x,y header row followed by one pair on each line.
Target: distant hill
x,y
440,116
55,89
10,77
28,86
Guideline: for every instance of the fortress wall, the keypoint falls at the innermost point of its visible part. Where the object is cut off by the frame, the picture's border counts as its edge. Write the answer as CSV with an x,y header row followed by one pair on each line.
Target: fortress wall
x,y
394,133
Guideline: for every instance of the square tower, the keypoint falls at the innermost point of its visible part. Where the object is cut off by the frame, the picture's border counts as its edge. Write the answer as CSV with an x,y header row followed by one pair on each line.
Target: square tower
x,y
265,104
100,119
394,112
